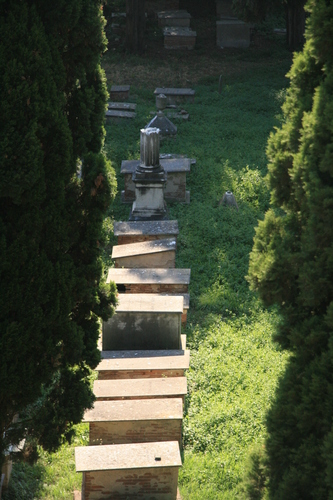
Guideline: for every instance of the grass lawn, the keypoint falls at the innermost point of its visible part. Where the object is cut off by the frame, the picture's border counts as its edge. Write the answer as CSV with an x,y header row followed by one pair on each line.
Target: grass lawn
x,y
234,364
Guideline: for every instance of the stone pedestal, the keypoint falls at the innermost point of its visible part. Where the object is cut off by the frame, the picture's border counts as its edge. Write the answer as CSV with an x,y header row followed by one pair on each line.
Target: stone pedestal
x,y
149,179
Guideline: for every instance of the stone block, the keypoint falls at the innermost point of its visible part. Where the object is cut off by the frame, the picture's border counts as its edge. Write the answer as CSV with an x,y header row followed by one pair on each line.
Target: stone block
x,y
179,18
138,231
122,106
175,188
144,321
176,95
119,92
172,281
179,38
135,421
232,33
143,364
146,388
129,471
146,254
117,115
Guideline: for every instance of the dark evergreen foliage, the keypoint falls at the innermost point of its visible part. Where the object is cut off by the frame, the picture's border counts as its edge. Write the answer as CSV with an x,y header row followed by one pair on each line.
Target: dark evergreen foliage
x,y
292,265
52,104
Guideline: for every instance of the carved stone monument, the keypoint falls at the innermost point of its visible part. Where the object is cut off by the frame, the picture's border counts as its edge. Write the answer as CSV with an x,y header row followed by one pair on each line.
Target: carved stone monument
x,y
149,179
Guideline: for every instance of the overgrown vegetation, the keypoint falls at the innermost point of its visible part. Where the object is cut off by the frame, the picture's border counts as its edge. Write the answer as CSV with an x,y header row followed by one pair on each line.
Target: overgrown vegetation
x,y
291,266
234,363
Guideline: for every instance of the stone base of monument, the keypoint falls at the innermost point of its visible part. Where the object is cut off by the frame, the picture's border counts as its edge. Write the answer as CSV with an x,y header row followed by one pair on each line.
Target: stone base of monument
x,y
232,33
139,231
176,170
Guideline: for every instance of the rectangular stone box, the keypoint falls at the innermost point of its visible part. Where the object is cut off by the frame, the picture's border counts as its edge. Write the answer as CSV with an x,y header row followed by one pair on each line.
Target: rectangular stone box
x,y
135,421
186,305
157,280
144,321
119,92
180,18
114,114
176,95
122,106
179,38
143,364
129,471
232,33
145,388
146,254
175,188
136,231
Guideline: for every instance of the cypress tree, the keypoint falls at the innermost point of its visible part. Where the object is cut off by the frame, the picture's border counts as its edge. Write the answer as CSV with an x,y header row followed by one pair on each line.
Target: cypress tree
x,y
55,187
291,265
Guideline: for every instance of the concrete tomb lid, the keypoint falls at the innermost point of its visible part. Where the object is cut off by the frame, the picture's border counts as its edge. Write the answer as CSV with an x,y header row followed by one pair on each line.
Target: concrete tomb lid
x,y
143,248
141,388
135,410
151,276
155,227
172,359
127,456
149,303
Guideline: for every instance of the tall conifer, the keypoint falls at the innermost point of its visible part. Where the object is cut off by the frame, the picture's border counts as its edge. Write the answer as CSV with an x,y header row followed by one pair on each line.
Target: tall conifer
x,y
55,186
292,265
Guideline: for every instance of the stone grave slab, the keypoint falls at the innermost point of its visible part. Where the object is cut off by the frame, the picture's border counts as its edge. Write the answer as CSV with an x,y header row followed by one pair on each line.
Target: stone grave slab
x,y
144,321
135,421
232,33
176,95
146,254
157,280
129,471
176,38
122,106
143,364
117,115
180,18
146,388
175,188
119,92
137,231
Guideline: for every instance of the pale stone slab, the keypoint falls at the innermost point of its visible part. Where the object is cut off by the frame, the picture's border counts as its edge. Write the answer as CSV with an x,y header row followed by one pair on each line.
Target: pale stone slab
x,y
175,95
122,106
174,18
127,456
145,247
140,388
144,360
114,113
150,303
134,409
161,275
165,227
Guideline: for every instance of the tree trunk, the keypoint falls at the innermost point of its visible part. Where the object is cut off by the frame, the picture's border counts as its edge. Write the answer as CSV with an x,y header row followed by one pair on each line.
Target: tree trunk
x,y
135,25
295,20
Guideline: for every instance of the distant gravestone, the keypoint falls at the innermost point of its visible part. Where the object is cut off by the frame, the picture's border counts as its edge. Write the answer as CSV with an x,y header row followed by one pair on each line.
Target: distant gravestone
x,y
232,33
119,92
179,38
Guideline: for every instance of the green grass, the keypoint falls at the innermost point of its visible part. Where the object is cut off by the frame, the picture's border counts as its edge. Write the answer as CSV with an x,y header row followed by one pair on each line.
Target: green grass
x,y
234,364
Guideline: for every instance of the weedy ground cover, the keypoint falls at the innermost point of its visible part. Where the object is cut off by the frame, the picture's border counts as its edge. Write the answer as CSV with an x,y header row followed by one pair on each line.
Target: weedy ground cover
x,y
234,364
